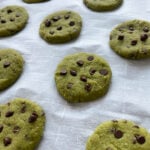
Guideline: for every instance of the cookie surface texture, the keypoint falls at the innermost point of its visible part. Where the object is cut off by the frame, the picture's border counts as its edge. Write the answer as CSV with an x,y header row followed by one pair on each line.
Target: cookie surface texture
x,y
11,67
61,27
21,125
103,5
34,1
119,135
12,20
82,77
131,39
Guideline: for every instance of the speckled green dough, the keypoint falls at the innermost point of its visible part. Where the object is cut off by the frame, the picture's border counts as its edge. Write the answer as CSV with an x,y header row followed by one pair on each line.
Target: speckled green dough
x,y
131,39
11,67
34,1
103,5
18,129
12,20
61,27
86,83
119,135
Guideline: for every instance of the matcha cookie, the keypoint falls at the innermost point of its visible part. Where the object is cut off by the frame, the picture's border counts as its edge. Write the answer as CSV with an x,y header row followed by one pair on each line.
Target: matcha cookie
x,y
12,20
11,67
61,27
119,135
34,1
103,5
131,39
82,77
21,125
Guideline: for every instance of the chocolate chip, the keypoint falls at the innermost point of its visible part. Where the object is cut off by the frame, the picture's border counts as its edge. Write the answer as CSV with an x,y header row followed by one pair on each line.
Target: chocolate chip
x,y
92,71
9,114
140,139
7,141
59,28
90,58
120,37
11,19
56,18
83,78
69,85
51,32
63,72
134,42
6,64
131,28
1,128
9,11
146,29
3,21
88,87
136,126
103,72
33,117
67,17
144,37
16,129
17,15
80,62
47,23
23,109
115,121
118,134
72,23
73,72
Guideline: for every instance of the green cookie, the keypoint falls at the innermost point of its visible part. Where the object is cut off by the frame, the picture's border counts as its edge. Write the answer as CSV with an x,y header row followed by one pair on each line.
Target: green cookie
x,y
103,5
34,1
12,20
61,27
21,125
131,39
11,67
119,135
82,77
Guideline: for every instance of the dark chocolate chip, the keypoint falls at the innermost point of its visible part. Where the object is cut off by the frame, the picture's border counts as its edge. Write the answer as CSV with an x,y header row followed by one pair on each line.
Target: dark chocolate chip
x,y
140,139
92,71
11,19
23,109
115,121
1,128
120,37
17,15
88,87
9,11
47,23
72,23
9,113
134,42
131,28
136,126
33,117
63,72
83,78
90,58
118,134
73,72
146,29
51,32
6,64
56,18
3,21
144,37
103,72
69,85
59,28
80,63
7,141
16,129
67,17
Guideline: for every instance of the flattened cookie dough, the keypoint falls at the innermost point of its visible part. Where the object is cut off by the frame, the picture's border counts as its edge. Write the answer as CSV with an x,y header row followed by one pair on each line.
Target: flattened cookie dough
x,y
131,39
103,5
12,20
119,135
21,125
82,77
61,27
11,67
34,1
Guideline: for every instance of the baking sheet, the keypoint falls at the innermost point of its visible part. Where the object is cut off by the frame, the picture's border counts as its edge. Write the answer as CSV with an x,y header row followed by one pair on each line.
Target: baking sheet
x,y
69,125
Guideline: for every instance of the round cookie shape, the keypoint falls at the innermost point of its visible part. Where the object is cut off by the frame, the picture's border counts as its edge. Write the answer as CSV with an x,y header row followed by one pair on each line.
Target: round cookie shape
x,y
11,67
103,5
34,1
12,20
119,135
82,77
61,27
21,125
131,39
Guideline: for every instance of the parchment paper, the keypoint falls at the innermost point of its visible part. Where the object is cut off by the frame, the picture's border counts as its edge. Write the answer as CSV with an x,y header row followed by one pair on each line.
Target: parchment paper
x,y
69,125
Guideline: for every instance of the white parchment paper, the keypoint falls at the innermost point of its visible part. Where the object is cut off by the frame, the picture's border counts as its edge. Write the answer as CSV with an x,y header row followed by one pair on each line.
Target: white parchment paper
x,y
69,125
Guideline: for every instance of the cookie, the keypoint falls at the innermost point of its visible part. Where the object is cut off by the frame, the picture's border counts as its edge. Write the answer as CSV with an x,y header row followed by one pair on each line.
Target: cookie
x,y
131,39
11,67
82,77
34,1
61,27
103,5
12,20
119,135
21,125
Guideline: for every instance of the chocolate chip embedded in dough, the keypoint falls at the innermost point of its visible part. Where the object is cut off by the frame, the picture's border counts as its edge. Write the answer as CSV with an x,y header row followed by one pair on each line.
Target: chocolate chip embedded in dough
x,y
136,126
88,87
47,23
67,16
33,117
7,141
9,11
59,28
6,64
1,128
12,19
72,23
144,37
121,37
90,58
92,71
131,28
23,109
140,139
16,129
17,15
80,63
73,72
3,21
83,78
51,32
56,18
9,114
146,29
118,134
69,85
134,42
103,72
63,72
